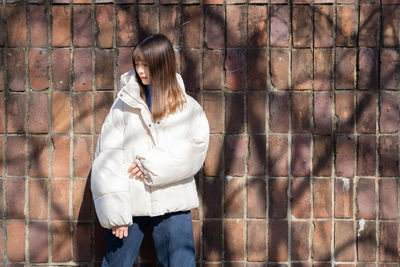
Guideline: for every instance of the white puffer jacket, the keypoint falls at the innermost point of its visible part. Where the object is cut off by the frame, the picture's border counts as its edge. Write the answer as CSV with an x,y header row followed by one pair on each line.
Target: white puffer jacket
x,y
170,153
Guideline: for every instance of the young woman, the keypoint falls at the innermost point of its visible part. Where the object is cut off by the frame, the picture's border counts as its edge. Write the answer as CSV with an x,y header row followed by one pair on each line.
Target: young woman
x,y
152,143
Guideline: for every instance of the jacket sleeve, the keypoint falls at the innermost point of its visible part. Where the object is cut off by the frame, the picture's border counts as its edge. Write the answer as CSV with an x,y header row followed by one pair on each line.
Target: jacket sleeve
x,y
184,160
109,179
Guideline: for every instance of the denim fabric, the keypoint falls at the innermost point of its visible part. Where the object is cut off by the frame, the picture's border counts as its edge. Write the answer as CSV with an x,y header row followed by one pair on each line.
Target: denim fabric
x,y
172,236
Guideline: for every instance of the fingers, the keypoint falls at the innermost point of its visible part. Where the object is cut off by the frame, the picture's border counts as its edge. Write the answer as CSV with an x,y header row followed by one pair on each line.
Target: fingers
x,y
134,170
120,231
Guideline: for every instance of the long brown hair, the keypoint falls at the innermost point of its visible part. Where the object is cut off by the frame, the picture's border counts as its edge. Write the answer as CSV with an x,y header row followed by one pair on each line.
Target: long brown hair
x,y
166,95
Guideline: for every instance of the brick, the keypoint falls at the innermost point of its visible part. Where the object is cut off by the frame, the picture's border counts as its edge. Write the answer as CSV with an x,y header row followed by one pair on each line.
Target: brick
x,y
61,31
61,245
345,112
301,112
321,244
213,110
38,200
16,113
256,105
16,25
278,202
148,20
2,112
257,155
191,62
366,199
279,112
390,27
235,66
102,104
368,35
366,242
278,155
236,25
366,111
368,68
256,236
38,113
234,197
61,68
16,155
59,202
389,241
38,242
15,197
234,113
214,26
345,68
323,69
170,17
213,63
82,156
257,71
61,112
191,26
60,157
278,241
213,2
389,74
82,113
257,29
280,69
346,28
234,239
213,163
16,69
2,27
256,198
366,160
280,25
104,73
388,156
212,197
16,244
38,25
124,60
322,156
197,237
83,69
81,240
343,198
38,156
345,153
2,68
344,241
126,25
82,25
300,158
82,200
302,68
388,196
389,112
322,198
100,244
302,26
301,198
105,28
299,240
324,29
322,113
212,240
235,150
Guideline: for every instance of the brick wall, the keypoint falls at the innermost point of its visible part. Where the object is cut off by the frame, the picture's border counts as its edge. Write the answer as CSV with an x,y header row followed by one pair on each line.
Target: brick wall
x,y
303,104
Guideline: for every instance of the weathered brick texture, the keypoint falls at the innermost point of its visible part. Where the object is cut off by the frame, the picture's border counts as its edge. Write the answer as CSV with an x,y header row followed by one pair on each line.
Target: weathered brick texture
x,y
302,99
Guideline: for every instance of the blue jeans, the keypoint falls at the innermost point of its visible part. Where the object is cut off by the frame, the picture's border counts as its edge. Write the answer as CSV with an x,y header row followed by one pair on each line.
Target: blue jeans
x,y
172,236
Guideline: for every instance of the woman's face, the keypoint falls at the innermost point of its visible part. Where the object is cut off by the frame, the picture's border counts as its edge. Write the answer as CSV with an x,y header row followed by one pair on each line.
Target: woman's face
x,y
142,68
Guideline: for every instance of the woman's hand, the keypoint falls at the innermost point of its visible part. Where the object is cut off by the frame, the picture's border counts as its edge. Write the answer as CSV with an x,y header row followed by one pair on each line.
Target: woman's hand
x,y
134,170
120,231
